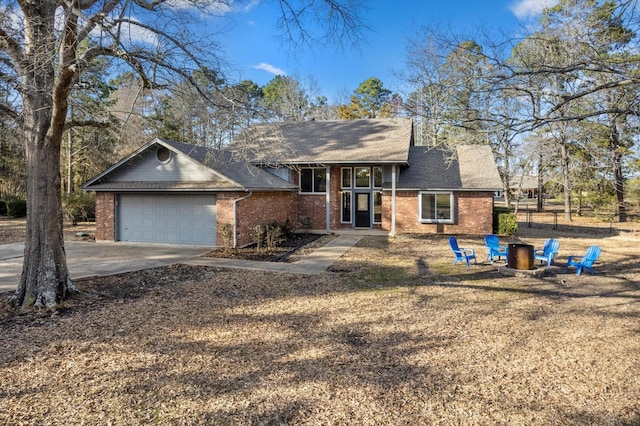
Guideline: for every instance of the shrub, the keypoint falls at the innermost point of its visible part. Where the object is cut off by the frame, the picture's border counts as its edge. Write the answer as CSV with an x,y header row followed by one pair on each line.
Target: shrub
x,y
3,208
286,228
271,235
79,207
497,211
307,223
226,232
507,224
17,207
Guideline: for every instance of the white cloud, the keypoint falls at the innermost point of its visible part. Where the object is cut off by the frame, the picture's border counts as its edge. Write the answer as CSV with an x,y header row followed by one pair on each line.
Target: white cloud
x,y
527,9
217,7
269,68
130,33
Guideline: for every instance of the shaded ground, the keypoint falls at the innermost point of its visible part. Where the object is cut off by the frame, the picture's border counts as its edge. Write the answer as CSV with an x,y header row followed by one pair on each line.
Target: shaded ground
x,y
282,253
394,335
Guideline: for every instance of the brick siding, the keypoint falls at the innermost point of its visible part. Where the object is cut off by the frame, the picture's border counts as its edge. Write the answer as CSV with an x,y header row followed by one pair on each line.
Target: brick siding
x,y
473,214
105,216
261,208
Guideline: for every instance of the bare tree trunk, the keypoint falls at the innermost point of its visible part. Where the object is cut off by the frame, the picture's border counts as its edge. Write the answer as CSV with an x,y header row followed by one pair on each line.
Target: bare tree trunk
x,y
45,279
618,176
539,201
566,181
506,179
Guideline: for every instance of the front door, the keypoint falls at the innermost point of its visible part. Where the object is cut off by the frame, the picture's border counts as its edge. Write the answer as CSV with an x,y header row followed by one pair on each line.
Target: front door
x,y
363,210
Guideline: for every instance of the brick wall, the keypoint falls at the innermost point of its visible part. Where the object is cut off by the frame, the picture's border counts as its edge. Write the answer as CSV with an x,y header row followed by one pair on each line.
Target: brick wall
x,y
259,209
105,216
473,214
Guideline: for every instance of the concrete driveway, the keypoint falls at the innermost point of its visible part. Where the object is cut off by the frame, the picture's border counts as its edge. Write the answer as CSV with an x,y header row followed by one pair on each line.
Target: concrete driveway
x,y
89,259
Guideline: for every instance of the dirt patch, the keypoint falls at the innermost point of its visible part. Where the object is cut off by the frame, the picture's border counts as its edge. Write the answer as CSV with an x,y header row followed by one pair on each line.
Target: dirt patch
x,y
395,335
282,253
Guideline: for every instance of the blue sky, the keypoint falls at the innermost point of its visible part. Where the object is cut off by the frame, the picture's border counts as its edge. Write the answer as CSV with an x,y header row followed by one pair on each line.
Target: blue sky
x,y
254,50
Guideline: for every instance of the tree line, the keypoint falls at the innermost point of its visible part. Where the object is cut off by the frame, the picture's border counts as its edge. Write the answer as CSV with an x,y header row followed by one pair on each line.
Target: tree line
x,y
559,102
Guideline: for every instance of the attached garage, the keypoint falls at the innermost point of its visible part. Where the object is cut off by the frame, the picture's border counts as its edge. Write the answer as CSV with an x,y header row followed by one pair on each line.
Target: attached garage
x,y
175,193
167,218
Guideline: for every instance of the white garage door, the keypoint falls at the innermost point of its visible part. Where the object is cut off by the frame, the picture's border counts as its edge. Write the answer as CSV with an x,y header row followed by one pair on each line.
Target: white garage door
x,y
169,219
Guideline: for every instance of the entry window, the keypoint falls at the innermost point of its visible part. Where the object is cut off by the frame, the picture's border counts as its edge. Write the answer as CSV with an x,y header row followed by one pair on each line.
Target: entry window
x,y
313,180
363,177
436,207
346,177
346,207
377,177
377,207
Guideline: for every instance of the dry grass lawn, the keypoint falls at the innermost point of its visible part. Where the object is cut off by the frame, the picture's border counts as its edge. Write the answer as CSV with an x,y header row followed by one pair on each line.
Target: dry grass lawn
x,y
393,334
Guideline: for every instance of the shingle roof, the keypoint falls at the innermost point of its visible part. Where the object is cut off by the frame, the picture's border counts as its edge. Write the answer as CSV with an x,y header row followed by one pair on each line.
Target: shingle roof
x,y
469,167
328,142
243,173
228,174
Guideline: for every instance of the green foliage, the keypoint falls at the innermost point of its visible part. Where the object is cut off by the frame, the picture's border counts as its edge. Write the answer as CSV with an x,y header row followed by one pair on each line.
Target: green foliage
x,y
79,207
3,208
17,207
370,100
497,211
285,99
507,224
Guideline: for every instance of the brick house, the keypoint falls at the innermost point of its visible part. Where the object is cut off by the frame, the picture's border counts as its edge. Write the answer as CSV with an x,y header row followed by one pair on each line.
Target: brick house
x,y
325,176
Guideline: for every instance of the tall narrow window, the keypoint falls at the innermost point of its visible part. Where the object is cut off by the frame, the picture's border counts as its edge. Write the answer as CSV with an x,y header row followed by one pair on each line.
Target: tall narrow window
x,y
377,207
377,177
346,207
346,177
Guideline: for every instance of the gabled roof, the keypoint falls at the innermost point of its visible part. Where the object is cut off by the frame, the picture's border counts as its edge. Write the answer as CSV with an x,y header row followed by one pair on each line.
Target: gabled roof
x,y
371,141
467,167
209,170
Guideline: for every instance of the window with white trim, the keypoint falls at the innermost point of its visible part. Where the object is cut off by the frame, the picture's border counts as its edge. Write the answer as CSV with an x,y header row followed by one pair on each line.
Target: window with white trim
x,y
313,180
377,207
362,177
377,177
435,207
346,177
345,207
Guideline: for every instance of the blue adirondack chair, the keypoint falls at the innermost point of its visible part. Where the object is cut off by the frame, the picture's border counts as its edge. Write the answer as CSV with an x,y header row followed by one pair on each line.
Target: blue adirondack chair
x,y
495,249
462,254
547,253
584,262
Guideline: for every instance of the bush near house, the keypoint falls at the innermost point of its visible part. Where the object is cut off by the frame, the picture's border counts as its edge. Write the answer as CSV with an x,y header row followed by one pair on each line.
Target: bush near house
x,y
79,207
17,207
507,224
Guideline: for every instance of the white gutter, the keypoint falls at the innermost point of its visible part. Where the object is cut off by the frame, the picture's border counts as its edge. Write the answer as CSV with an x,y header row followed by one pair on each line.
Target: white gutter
x,y
235,218
393,200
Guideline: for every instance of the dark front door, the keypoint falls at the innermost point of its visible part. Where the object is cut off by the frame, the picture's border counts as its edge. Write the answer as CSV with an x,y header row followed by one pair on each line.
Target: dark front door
x,y
363,210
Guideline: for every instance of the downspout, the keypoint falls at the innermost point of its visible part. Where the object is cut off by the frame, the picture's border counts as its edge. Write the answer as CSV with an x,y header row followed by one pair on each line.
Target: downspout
x,y
393,200
235,218
328,202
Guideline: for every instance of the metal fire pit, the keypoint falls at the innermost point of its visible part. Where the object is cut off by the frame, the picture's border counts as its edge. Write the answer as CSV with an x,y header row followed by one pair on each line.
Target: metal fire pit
x,y
520,256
